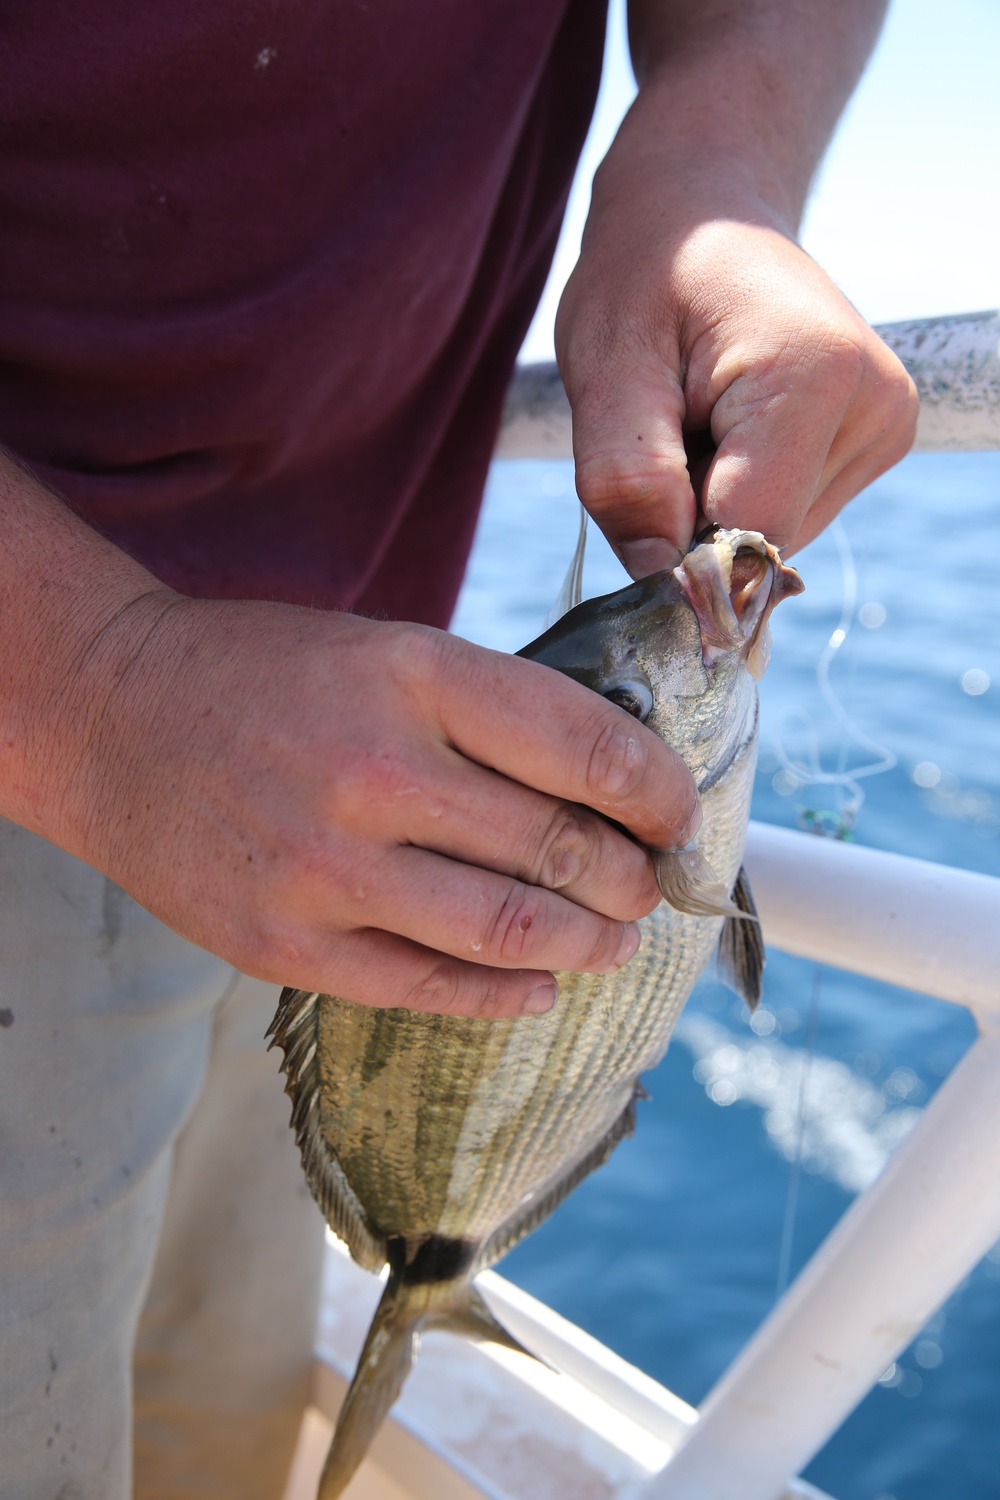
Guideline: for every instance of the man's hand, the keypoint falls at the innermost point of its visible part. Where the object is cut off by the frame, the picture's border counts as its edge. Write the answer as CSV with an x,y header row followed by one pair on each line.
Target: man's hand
x,y
715,373
382,811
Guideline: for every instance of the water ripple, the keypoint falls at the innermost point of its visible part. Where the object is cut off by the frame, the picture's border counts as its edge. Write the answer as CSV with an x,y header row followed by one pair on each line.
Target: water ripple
x,y
848,1127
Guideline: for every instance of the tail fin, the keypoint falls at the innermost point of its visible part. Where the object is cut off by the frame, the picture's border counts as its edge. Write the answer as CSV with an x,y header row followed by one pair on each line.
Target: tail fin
x,y
389,1351
388,1354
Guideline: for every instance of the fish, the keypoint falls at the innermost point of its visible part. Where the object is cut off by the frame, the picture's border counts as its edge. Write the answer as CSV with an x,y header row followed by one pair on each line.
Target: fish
x,y
433,1144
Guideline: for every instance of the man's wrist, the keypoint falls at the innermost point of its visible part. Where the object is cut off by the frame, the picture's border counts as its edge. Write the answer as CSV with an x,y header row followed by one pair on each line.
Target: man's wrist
x,y
747,93
704,164
73,607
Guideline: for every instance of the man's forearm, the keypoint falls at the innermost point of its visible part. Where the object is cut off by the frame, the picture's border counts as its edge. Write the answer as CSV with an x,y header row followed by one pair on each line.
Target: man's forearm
x,y
63,590
758,83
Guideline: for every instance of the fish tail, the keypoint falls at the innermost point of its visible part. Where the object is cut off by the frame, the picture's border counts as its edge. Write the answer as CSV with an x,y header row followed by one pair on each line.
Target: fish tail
x,y
385,1362
432,1291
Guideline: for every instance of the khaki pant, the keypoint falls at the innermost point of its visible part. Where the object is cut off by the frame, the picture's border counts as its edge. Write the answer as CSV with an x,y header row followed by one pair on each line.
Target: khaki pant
x,y
152,1208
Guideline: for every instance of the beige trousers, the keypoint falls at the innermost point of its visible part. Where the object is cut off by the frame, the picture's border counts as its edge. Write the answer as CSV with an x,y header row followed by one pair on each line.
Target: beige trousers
x,y
153,1217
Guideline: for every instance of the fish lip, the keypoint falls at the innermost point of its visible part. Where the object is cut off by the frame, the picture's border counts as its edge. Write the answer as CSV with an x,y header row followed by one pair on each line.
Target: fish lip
x,y
728,621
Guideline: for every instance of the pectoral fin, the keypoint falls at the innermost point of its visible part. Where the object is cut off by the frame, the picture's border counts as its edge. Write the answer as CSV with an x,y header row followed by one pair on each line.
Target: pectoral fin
x,y
740,957
689,884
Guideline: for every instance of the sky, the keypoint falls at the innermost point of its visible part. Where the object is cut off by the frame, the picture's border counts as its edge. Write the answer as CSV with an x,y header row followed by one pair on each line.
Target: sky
x,y
905,209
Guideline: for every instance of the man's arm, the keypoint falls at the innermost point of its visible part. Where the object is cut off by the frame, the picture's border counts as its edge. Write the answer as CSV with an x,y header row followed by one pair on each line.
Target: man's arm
x,y
378,810
715,372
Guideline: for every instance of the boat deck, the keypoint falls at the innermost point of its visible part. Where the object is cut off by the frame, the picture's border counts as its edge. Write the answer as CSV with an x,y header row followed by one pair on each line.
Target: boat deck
x,y
477,1421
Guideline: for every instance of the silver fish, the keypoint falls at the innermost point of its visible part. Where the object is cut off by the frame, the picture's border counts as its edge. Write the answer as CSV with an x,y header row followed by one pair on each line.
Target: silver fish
x,y
435,1143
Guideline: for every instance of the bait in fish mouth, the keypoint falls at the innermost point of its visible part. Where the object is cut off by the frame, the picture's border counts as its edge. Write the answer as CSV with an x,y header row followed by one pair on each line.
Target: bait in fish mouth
x,y
435,1143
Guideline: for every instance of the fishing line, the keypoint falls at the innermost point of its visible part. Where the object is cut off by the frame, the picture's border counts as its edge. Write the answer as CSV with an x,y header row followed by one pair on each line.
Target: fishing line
x,y
794,1176
839,820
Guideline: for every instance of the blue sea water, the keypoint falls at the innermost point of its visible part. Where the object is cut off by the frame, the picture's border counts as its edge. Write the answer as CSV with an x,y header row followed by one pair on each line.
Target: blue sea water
x,y
673,1252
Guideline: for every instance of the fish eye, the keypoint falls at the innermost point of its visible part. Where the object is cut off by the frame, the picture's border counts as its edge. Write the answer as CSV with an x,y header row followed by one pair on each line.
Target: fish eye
x,y
635,696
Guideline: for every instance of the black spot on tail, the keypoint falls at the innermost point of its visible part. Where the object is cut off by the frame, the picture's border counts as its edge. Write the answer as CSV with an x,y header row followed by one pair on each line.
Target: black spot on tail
x,y
436,1258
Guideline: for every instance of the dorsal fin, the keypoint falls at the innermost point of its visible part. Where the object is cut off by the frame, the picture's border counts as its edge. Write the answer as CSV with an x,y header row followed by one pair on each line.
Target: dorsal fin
x,y
571,592
294,1030
740,957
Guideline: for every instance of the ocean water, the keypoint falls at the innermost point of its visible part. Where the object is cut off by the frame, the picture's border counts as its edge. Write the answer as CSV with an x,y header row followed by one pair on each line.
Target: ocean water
x,y
673,1253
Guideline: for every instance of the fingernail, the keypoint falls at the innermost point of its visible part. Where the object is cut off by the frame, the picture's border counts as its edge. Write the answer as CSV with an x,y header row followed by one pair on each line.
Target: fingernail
x,y
651,555
541,999
629,945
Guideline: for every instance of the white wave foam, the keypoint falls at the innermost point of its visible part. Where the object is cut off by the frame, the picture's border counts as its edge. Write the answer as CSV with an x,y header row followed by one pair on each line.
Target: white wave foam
x,y
847,1128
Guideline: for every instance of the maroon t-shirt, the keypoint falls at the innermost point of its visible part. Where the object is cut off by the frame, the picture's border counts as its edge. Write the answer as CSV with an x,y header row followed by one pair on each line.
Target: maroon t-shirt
x,y
265,266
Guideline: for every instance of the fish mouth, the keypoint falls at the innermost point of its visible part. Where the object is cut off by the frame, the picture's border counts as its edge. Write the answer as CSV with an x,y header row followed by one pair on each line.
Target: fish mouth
x,y
732,580
714,605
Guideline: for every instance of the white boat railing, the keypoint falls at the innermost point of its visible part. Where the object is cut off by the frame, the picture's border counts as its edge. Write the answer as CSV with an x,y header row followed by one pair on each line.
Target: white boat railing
x,y
905,1244
475,1421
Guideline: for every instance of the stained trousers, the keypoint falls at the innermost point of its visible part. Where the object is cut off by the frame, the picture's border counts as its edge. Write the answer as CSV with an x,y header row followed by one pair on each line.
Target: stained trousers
x,y
159,1252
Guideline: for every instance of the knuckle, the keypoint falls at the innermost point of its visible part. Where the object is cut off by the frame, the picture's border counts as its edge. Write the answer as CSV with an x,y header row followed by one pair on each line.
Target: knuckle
x,y
438,990
310,863
422,662
845,361
900,408
446,679
578,848
870,371
274,951
370,778
617,763
605,948
514,929
569,848
451,989
610,482
647,895
488,997
683,814
414,652
889,414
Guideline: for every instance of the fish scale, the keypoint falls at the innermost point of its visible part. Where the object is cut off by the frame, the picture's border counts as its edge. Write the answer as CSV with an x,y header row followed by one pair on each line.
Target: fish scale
x,y
436,1142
